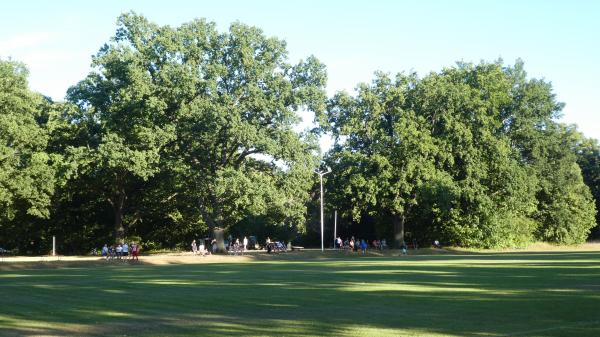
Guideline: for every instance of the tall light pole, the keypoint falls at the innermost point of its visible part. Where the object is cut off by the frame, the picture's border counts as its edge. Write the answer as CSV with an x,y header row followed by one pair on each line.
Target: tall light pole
x,y
321,174
335,228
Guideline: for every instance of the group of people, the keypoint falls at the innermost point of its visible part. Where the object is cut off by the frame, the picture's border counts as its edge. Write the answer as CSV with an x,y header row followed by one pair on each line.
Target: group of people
x,y
121,251
199,249
238,247
276,246
355,245
233,247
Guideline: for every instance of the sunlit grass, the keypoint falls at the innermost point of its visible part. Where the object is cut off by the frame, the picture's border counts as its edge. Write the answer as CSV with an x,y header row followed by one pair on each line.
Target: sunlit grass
x,y
539,294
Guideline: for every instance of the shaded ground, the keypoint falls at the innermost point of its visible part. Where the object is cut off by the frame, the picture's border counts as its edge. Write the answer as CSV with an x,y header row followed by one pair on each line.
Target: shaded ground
x,y
307,294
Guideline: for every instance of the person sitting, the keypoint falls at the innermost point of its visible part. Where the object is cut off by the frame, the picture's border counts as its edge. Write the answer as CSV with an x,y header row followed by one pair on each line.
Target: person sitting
x,y
436,244
111,252
236,247
201,249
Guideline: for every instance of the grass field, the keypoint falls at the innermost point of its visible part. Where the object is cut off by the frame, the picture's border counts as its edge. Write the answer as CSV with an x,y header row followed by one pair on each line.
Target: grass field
x,y
308,294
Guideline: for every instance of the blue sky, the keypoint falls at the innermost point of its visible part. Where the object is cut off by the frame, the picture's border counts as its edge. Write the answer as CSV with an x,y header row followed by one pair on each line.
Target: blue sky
x,y
558,40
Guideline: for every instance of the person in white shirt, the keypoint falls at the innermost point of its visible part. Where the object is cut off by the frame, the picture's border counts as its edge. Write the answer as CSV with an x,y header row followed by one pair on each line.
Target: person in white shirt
x,y
245,243
119,251
125,249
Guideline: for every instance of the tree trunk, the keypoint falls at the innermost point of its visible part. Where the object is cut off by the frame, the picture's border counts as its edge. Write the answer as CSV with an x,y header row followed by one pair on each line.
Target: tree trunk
x,y
398,221
219,235
214,228
118,208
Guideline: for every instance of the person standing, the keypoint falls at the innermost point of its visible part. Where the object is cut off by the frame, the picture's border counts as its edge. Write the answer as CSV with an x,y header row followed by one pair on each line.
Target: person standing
x,y
105,251
214,247
135,251
125,252
245,243
194,247
119,251
363,246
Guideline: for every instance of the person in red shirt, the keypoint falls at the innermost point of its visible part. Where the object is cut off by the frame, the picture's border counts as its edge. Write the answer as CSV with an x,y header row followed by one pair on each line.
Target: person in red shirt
x,y
135,251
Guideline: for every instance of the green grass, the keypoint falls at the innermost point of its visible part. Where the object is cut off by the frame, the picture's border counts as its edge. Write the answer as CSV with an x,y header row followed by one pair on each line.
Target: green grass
x,y
516,294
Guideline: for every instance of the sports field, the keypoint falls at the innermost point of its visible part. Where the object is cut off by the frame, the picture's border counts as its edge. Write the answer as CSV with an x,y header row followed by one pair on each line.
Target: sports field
x,y
307,294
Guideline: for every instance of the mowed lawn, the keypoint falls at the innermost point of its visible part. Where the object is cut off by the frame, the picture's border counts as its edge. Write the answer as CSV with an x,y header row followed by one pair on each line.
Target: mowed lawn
x,y
303,294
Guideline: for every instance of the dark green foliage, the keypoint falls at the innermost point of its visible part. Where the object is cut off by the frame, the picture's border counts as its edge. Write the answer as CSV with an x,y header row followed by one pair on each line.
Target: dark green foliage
x,y
588,158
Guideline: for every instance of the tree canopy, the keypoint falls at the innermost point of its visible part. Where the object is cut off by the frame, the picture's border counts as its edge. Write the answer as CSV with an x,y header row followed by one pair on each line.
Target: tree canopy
x,y
200,107
470,155
189,132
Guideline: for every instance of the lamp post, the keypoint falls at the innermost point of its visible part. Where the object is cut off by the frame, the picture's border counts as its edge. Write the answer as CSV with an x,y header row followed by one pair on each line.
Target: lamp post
x,y
321,174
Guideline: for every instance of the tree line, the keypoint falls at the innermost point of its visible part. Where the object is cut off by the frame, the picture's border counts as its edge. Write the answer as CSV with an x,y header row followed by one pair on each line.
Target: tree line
x,y
185,132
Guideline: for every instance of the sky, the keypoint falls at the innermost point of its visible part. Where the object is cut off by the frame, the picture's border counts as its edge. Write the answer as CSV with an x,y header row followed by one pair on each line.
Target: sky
x,y
557,40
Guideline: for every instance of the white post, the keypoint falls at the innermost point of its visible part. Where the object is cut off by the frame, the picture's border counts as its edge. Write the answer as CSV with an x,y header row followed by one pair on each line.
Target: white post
x,y
53,245
334,227
321,176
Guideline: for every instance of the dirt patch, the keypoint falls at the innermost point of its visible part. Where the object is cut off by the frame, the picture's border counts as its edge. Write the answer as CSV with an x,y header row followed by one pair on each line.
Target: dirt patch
x,y
34,262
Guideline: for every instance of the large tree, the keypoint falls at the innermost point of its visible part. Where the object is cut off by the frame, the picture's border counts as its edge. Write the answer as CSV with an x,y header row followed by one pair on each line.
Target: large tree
x,y
468,154
491,194
213,111
384,152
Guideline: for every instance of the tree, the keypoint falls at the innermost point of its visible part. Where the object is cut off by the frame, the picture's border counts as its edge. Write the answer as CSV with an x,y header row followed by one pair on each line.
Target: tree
x,y
588,158
27,171
488,197
125,147
384,152
434,152
213,111
565,209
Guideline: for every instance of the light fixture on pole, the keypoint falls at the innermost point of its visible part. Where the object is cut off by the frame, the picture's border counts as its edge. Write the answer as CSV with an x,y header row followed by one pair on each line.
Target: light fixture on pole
x,y
321,174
